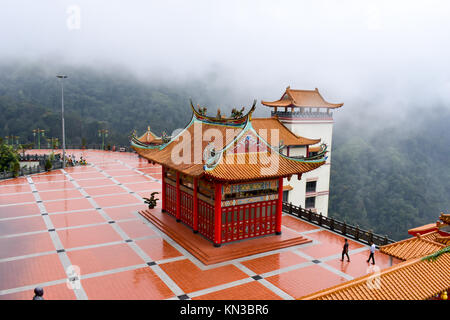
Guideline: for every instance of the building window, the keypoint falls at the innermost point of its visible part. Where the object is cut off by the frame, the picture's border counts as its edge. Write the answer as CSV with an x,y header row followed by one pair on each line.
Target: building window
x,y
285,196
310,202
311,186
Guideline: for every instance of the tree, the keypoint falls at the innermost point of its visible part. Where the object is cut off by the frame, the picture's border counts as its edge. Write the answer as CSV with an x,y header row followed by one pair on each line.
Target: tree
x,y
9,159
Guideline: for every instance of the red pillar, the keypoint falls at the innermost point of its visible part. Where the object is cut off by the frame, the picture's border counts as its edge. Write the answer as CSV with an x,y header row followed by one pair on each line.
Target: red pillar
x,y
307,151
195,207
178,214
163,191
279,206
218,215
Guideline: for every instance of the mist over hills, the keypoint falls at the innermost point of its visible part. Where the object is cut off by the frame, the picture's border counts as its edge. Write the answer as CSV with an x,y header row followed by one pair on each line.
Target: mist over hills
x,y
390,169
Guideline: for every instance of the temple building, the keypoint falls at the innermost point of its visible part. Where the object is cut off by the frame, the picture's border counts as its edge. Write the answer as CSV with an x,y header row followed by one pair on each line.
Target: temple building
x,y
223,177
423,274
306,113
149,138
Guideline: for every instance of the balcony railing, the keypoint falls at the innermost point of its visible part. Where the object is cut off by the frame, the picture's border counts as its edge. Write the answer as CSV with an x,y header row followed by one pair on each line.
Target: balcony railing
x,y
358,234
306,115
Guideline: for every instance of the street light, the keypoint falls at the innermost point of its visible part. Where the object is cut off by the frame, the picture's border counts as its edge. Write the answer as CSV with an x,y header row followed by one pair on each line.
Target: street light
x,y
103,133
38,132
62,77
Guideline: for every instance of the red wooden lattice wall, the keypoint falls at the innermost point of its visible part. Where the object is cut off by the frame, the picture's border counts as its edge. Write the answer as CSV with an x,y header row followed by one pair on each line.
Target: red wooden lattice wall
x,y
248,221
206,219
186,206
171,199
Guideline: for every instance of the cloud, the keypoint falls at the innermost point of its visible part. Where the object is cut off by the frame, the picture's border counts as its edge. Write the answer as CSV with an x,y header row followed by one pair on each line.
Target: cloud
x,y
391,52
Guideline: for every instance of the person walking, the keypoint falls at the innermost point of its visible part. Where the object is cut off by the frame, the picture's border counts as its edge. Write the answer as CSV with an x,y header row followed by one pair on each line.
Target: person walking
x,y
345,251
372,253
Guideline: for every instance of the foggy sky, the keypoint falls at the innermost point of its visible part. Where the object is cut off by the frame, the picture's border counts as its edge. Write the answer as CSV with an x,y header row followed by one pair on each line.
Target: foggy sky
x,y
393,53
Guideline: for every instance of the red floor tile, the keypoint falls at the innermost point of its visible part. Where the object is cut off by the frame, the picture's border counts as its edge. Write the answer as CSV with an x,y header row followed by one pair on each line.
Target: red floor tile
x,y
104,258
190,278
15,189
136,229
19,210
154,186
20,180
296,224
158,249
35,270
104,190
116,200
49,178
26,244
120,172
133,179
54,292
62,194
28,224
85,236
68,205
95,182
72,219
139,284
330,244
247,291
127,212
273,262
58,185
303,281
16,198
87,175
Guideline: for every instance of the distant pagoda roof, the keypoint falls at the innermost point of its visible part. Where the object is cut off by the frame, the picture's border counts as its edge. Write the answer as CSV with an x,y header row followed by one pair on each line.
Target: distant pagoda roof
x,y
237,148
303,99
149,138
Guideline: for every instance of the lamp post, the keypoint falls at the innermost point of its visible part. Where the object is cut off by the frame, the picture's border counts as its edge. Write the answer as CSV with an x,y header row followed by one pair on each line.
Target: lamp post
x,y
38,132
17,139
103,133
62,77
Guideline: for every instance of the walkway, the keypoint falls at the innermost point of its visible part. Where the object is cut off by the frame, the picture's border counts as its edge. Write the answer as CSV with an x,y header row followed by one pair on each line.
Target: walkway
x,y
79,228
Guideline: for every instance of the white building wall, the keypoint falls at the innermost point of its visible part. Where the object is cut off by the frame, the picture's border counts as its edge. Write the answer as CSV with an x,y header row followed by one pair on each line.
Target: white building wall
x,y
313,129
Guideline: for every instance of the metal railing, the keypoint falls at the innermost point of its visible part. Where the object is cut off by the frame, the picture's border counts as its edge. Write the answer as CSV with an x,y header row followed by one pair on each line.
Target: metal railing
x,y
305,114
354,232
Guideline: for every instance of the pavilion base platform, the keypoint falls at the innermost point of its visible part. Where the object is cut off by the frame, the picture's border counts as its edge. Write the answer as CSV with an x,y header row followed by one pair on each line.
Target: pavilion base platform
x,y
203,249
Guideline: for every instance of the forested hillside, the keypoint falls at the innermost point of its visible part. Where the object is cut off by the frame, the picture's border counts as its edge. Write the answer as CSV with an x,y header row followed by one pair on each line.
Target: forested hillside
x,y
30,98
387,179
394,178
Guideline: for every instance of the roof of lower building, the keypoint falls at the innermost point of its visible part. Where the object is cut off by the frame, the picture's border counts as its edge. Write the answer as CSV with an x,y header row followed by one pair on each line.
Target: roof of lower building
x,y
415,279
423,274
418,246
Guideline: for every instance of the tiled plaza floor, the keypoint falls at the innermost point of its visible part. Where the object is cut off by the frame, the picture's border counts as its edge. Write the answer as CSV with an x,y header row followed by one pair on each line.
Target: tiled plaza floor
x,y
76,232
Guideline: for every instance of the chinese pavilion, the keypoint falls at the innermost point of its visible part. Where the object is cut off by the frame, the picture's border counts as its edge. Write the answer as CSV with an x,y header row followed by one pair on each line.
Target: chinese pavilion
x,y
223,177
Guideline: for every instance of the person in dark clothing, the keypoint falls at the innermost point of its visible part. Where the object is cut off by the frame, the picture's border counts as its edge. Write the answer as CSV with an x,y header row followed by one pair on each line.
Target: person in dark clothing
x,y
372,253
38,294
345,251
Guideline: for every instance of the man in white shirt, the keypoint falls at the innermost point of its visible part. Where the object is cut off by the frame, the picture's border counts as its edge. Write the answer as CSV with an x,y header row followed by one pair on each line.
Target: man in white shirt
x,y
372,253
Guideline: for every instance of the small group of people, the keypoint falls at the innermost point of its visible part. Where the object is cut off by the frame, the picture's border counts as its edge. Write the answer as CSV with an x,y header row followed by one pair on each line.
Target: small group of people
x,y
72,161
371,255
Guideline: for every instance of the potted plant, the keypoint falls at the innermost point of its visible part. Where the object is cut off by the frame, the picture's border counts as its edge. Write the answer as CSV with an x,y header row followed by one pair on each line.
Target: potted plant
x,y
151,201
